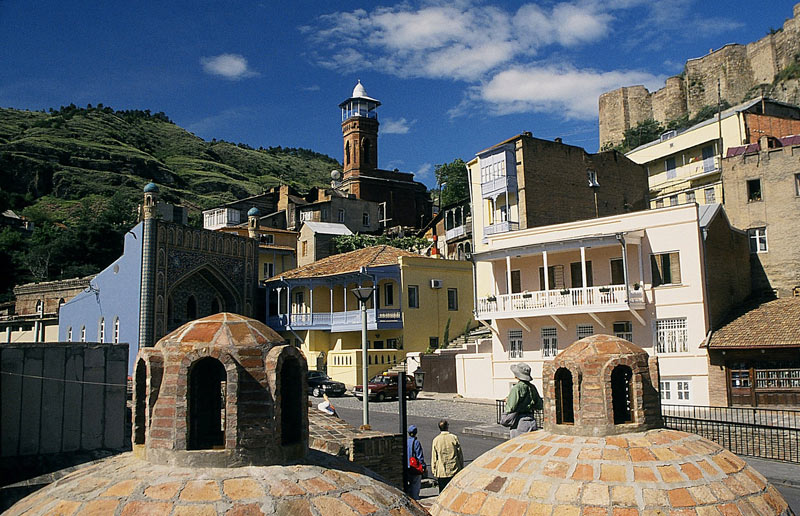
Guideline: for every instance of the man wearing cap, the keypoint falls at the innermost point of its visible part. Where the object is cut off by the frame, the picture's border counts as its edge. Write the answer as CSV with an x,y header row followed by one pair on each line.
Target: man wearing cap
x,y
523,399
415,451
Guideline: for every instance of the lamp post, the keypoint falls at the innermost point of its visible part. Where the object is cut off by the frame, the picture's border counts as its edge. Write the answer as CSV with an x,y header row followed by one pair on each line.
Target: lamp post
x,y
363,294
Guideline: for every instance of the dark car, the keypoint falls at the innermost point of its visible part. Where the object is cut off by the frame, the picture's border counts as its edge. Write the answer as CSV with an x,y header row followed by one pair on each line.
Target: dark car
x,y
384,387
320,383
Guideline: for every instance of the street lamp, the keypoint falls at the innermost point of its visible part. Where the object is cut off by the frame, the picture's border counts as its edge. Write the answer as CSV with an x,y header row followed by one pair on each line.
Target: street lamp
x,y
363,294
594,185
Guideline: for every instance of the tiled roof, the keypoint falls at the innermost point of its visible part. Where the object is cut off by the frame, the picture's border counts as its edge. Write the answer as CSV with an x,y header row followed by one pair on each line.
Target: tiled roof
x,y
374,256
769,325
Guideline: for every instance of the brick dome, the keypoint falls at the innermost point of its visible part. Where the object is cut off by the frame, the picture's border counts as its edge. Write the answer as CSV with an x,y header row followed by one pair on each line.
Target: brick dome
x,y
220,427
603,451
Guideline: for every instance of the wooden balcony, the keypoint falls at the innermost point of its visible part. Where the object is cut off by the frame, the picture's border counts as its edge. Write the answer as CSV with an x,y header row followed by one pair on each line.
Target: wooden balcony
x,y
608,298
383,318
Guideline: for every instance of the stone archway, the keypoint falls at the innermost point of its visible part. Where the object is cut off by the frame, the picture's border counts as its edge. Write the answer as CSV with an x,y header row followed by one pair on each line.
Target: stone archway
x,y
200,293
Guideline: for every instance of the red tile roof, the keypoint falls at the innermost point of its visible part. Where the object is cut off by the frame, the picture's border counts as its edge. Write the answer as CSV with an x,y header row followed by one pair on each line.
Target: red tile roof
x,y
773,324
374,256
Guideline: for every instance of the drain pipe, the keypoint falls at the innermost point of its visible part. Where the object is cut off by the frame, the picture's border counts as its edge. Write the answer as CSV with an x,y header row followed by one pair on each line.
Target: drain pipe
x,y
621,240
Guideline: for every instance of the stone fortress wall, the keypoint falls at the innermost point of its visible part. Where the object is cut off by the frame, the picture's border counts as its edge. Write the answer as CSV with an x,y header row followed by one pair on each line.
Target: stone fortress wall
x,y
739,68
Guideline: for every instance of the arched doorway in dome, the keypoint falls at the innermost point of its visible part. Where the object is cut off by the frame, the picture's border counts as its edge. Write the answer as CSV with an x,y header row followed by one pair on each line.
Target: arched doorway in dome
x,y
621,390
291,402
565,414
206,404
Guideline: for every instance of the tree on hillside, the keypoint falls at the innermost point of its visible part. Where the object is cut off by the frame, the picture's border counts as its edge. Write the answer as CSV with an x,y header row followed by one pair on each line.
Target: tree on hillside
x,y
453,177
347,243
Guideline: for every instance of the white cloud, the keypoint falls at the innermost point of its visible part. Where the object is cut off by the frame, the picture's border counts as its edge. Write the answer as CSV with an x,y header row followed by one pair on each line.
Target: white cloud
x,y
229,66
567,90
399,126
425,171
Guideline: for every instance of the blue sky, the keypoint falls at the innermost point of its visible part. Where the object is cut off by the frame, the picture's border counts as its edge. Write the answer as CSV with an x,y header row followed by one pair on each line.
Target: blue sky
x,y
454,76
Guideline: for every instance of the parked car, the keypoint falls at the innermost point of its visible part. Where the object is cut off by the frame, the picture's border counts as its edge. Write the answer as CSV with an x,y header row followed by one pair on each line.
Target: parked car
x,y
384,386
320,383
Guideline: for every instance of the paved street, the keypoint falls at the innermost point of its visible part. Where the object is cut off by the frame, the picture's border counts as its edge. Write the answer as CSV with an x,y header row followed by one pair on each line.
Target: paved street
x,y
426,413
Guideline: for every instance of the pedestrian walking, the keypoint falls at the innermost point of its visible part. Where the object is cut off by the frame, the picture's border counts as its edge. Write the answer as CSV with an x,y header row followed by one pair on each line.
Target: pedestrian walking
x,y
523,400
416,463
446,456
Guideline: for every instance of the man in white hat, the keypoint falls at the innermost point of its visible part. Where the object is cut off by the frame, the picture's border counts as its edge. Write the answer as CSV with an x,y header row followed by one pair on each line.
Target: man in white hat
x,y
523,399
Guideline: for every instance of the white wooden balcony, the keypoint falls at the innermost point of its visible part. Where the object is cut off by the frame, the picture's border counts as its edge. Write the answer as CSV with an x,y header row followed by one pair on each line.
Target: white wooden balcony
x,y
500,227
608,298
456,232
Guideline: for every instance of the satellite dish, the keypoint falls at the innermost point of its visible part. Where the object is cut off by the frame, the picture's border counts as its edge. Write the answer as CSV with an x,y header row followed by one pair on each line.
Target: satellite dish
x,y
336,175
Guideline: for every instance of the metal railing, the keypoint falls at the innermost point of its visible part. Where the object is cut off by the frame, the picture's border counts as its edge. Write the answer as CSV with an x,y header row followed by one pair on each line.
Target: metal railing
x,y
501,408
599,296
755,432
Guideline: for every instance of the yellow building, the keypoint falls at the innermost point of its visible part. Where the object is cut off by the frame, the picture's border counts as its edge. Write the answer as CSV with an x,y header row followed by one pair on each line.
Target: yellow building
x,y
417,302
684,166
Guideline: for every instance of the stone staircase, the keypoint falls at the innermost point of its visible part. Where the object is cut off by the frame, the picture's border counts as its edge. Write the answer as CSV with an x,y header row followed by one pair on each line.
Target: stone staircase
x,y
471,340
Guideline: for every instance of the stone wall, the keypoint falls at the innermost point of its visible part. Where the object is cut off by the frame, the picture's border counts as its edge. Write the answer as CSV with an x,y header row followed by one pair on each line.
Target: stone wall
x,y
61,397
778,210
727,259
51,293
738,67
377,451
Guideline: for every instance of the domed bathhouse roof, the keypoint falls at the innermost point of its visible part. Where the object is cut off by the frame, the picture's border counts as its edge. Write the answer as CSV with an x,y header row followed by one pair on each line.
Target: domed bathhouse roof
x,y
603,451
220,427
151,187
253,212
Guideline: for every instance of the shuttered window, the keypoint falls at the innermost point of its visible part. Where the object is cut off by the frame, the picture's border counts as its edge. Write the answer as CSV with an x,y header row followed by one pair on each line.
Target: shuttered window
x,y
666,269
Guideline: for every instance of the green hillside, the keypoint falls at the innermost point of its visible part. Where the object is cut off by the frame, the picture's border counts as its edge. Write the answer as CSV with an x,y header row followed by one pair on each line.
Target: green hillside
x,y
79,171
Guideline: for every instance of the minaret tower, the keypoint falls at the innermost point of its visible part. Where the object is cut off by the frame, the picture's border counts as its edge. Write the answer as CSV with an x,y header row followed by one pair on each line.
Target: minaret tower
x,y
359,132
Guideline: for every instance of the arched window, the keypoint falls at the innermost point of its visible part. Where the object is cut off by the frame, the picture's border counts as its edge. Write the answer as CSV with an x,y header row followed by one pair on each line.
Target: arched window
x,y
83,333
206,400
191,309
347,153
365,147
141,395
69,334
101,333
291,403
565,414
60,302
116,330
215,306
621,389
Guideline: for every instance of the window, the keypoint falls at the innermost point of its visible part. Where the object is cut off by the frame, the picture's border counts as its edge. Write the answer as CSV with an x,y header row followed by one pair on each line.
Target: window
x,y
116,330
621,390
69,334
576,272
666,269
740,375
683,390
266,239
391,343
669,164
659,203
304,248
324,212
710,194
753,190
83,333
555,277
306,215
563,391
102,331
269,270
665,391
514,343
516,282
433,343
340,215
549,342
299,299
452,299
617,271
365,219
388,294
671,336
413,296
624,330
585,330
758,240
797,184
690,197
673,200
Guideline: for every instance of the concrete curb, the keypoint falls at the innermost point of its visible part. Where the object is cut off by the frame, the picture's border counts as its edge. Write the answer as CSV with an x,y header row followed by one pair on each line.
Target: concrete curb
x,y
489,430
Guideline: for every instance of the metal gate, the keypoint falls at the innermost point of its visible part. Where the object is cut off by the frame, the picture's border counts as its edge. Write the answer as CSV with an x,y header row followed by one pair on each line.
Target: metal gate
x,y
440,372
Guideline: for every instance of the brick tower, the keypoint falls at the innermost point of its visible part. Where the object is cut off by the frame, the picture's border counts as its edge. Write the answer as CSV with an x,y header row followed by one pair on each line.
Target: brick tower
x,y
359,133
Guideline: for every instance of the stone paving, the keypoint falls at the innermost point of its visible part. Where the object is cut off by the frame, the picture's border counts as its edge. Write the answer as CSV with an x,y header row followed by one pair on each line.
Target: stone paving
x,y
480,411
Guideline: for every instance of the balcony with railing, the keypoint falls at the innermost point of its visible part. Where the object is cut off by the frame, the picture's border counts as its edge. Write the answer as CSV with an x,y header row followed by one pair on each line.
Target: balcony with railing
x,y
497,184
382,318
500,227
456,232
608,298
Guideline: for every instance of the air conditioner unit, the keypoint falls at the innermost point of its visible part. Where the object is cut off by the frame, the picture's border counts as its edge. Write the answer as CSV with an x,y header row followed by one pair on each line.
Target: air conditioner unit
x,y
436,283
